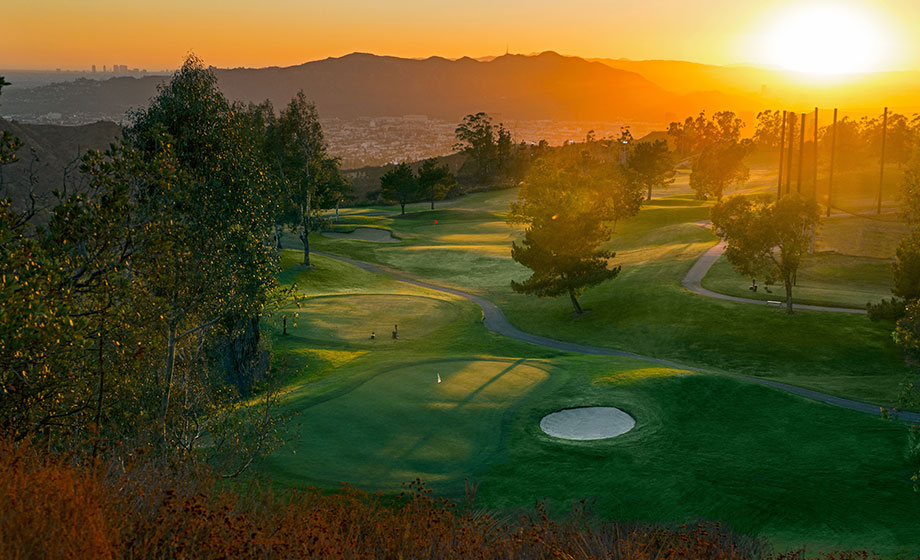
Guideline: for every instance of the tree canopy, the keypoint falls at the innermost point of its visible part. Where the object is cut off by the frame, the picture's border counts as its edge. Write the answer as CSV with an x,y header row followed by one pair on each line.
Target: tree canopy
x,y
118,307
651,165
311,180
567,212
434,181
767,239
399,185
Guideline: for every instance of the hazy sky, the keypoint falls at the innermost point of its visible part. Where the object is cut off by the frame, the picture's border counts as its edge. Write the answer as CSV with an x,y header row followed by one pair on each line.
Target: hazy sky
x,y
73,34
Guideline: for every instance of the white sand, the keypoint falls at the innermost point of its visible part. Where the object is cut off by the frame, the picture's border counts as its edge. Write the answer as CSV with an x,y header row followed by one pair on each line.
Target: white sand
x,y
376,235
588,423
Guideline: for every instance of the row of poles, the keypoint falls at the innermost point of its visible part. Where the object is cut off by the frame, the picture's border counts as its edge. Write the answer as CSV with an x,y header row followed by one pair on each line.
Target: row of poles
x,y
830,184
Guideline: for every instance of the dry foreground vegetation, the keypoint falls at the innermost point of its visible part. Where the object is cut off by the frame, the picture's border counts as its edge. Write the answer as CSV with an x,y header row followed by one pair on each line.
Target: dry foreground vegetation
x,y
188,369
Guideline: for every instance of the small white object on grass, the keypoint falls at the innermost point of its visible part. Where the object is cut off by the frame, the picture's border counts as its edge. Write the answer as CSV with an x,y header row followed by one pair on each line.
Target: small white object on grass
x,y
439,378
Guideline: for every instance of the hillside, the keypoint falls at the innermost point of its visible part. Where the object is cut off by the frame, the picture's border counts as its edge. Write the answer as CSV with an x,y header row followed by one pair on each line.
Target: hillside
x,y
545,86
56,150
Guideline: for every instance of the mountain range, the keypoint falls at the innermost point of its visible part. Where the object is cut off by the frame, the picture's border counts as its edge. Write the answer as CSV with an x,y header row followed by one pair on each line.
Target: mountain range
x,y
547,86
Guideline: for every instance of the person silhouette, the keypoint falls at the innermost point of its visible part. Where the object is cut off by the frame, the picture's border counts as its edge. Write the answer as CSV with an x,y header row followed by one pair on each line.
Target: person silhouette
x,y
395,332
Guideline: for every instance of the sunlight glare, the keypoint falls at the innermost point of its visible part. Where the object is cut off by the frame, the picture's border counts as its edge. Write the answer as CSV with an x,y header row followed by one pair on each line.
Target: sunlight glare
x,y
826,39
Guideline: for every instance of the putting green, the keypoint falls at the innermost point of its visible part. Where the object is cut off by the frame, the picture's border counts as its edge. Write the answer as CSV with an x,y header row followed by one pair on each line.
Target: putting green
x,y
402,423
350,319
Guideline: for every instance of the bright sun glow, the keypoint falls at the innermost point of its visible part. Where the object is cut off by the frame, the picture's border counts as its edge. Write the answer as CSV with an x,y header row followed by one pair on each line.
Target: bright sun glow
x,y
827,39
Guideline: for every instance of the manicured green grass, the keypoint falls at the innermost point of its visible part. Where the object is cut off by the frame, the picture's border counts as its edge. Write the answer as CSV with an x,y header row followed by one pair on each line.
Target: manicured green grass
x,y
372,413
823,279
645,309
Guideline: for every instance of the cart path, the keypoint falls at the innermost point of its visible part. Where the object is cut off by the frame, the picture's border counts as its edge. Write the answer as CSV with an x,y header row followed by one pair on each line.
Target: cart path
x,y
495,321
693,282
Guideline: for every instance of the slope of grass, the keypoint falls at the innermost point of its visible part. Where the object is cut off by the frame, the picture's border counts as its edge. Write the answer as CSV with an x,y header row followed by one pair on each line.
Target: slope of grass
x,y
763,461
645,309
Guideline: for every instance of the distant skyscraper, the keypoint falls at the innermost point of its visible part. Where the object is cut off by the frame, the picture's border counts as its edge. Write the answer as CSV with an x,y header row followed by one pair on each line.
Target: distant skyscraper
x,y
104,70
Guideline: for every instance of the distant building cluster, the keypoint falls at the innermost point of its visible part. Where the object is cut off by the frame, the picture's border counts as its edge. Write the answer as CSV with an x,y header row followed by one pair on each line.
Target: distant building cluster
x,y
120,69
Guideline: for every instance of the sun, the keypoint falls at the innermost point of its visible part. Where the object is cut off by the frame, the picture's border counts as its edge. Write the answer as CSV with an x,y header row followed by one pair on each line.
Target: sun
x,y
826,39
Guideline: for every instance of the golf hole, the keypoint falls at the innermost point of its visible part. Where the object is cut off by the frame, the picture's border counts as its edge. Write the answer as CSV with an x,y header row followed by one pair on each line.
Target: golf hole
x,y
587,423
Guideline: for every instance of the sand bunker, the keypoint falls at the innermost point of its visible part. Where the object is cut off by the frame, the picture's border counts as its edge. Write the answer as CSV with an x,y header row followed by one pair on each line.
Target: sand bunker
x,y
376,235
588,423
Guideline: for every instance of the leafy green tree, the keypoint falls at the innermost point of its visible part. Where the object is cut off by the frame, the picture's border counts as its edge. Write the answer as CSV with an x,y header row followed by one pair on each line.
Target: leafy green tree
x,y
311,179
769,129
718,166
651,165
209,256
399,185
434,181
851,148
767,239
476,137
567,217
695,135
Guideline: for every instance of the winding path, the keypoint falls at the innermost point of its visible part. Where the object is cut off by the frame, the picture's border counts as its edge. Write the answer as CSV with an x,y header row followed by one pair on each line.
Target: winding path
x,y
693,282
495,321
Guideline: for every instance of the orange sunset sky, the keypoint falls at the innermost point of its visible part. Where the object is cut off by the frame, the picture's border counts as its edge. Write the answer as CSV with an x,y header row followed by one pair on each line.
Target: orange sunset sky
x,y
841,36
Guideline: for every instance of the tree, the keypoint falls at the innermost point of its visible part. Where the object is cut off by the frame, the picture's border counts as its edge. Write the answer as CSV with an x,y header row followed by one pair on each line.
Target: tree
x,y
476,138
851,148
209,256
718,166
767,238
434,181
310,178
769,129
651,164
567,218
399,185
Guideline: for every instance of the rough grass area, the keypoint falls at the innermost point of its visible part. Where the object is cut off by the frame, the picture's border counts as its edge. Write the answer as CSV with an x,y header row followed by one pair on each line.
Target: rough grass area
x,y
53,508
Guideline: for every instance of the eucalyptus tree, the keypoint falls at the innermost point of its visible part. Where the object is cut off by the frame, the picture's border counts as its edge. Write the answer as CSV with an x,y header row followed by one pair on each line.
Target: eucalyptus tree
x,y
311,179
207,255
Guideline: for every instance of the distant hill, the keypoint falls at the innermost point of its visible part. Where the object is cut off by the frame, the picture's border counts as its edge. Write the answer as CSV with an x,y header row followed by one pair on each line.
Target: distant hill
x,y
55,148
762,88
513,87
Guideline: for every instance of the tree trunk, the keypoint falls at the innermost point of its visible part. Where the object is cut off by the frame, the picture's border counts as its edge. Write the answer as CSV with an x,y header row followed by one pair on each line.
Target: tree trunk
x,y
403,206
305,232
98,417
306,246
432,203
649,197
575,302
170,366
788,283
